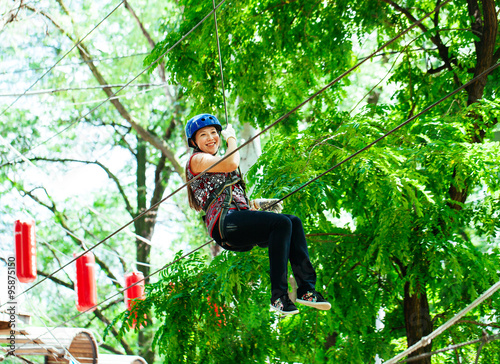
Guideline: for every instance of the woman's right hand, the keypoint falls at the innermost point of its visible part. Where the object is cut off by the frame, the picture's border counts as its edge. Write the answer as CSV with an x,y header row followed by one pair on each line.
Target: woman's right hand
x,y
228,133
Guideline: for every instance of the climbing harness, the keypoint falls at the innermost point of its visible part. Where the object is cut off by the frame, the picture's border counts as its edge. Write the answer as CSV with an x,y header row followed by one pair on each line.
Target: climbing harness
x,y
227,204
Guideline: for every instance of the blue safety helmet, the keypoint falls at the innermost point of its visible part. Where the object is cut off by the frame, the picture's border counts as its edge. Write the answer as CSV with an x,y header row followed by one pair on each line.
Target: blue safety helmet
x,y
200,121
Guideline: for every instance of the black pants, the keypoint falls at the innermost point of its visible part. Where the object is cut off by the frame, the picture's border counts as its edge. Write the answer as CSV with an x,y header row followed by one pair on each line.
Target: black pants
x,y
286,241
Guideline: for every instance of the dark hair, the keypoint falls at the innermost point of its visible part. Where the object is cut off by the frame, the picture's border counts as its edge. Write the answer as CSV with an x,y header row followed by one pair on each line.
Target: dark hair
x,y
192,201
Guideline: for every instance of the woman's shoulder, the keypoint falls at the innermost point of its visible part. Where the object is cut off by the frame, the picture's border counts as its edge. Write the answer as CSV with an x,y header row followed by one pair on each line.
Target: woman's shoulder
x,y
197,158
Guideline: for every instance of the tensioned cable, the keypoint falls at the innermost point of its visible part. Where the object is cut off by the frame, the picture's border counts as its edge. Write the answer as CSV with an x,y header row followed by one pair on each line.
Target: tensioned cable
x,y
245,143
65,54
426,340
483,340
132,285
51,334
155,205
475,79
128,94
487,294
220,62
65,89
49,331
75,63
126,85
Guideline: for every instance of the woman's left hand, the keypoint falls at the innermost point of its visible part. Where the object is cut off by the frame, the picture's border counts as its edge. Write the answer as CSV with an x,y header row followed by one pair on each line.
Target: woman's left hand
x,y
267,204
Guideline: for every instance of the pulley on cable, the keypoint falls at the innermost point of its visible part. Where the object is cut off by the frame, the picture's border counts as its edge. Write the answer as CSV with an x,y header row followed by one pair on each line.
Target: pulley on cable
x,y
85,287
25,241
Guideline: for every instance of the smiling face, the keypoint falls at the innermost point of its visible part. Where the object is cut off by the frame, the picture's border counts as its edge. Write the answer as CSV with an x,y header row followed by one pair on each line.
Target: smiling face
x,y
208,139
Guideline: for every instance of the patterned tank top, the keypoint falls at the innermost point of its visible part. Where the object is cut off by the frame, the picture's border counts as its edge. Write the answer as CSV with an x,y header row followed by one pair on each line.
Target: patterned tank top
x,y
205,185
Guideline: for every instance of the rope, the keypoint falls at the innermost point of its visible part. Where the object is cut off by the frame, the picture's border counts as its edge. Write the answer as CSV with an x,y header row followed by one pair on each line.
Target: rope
x,y
60,59
40,92
475,79
114,97
483,340
220,63
75,63
126,85
426,340
245,143
123,290
51,334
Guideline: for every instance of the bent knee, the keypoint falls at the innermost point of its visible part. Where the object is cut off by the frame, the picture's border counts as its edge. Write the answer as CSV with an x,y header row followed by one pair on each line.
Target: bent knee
x,y
295,220
282,222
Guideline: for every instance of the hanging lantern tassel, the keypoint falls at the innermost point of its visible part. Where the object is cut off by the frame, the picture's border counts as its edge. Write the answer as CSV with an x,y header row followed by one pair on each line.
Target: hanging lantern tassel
x,y
24,236
86,289
134,293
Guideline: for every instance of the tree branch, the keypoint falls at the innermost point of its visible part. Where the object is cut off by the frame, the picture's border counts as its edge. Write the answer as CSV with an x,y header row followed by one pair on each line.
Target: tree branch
x,y
147,136
436,39
497,326
406,13
111,349
106,169
58,261
152,44
124,344
56,280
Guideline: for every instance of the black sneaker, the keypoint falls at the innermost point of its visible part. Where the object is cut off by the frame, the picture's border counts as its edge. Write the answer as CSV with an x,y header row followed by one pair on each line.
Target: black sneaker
x,y
284,305
314,299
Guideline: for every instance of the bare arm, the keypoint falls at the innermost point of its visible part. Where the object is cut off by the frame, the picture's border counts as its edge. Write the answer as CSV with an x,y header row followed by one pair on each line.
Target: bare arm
x,y
202,161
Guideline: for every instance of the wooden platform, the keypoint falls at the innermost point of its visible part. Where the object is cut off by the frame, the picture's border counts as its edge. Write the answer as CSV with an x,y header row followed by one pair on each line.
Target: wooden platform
x,y
58,345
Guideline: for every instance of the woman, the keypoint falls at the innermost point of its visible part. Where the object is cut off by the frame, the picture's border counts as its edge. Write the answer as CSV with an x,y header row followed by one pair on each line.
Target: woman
x,y
234,225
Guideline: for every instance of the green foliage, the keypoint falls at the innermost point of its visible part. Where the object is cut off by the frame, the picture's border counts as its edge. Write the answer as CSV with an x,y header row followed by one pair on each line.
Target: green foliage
x,y
219,313
423,203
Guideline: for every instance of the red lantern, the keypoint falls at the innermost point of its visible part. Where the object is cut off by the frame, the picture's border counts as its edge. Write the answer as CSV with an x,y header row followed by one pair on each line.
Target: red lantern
x,y
136,291
24,236
86,290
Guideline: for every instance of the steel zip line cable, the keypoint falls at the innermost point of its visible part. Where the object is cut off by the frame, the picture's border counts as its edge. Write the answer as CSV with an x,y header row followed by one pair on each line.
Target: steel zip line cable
x,y
245,143
123,290
426,340
65,54
75,63
482,341
155,205
126,85
423,341
64,89
220,63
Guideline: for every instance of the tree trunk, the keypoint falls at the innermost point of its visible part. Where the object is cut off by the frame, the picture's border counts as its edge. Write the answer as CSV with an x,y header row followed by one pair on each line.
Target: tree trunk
x,y
251,152
144,228
485,24
417,321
